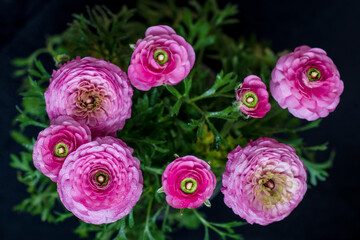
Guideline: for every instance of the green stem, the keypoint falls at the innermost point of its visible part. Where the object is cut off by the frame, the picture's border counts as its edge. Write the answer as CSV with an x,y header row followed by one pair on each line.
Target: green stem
x,y
147,229
165,217
211,96
207,224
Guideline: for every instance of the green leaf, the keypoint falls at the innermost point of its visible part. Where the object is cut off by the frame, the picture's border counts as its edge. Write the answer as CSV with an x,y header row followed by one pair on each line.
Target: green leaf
x,y
187,84
224,114
321,147
173,91
217,137
131,219
317,171
311,125
176,108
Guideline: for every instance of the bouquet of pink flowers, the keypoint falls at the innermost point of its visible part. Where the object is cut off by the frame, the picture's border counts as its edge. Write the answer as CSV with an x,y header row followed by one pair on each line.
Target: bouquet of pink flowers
x,y
136,124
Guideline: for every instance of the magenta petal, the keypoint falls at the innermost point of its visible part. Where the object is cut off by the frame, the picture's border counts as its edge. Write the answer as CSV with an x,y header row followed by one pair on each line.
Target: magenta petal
x,y
188,167
82,193
92,91
264,181
291,88
144,72
254,84
63,129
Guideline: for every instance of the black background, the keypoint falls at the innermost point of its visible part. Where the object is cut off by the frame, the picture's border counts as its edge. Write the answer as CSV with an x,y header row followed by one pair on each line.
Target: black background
x,y
329,211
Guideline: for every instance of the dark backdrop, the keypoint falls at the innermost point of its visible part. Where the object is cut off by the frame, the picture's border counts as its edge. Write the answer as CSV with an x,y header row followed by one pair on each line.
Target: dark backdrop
x,y
329,211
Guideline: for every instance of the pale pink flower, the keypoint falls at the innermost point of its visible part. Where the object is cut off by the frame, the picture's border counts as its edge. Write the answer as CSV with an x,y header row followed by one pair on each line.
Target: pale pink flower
x,y
162,57
56,142
92,91
264,181
188,182
306,82
253,98
101,181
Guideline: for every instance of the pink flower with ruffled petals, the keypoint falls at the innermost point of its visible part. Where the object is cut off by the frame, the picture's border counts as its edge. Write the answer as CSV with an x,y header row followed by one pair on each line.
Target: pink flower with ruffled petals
x,y
92,91
56,142
188,182
264,181
306,82
101,181
162,57
253,98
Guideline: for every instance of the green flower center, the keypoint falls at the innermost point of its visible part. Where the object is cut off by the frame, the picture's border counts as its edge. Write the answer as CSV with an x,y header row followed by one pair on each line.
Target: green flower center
x,y
313,74
250,99
61,150
161,56
101,178
188,185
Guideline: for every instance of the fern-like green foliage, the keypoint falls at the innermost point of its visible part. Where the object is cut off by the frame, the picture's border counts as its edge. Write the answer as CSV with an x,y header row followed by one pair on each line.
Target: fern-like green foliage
x,y
195,117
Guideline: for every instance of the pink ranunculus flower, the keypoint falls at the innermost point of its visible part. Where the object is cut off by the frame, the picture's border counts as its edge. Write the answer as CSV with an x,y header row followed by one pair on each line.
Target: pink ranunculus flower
x,y
92,91
306,82
264,181
162,57
55,143
253,98
101,181
188,182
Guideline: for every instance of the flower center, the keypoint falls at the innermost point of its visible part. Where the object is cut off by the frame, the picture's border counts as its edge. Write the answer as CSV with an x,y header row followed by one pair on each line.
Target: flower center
x,y
250,99
270,184
61,150
188,185
90,100
161,56
101,178
313,74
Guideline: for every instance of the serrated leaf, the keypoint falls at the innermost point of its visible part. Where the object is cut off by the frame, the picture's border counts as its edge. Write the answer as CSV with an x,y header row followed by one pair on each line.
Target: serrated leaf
x,y
317,171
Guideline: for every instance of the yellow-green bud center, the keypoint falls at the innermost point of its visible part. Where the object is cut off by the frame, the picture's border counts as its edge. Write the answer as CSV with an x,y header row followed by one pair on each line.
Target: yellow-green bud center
x,y
188,185
101,178
61,150
161,56
250,99
313,74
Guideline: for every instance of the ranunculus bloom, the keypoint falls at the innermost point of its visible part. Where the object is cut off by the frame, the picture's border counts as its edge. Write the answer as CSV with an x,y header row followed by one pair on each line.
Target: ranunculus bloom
x,y
101,181
188,182
264,181
92,91
253,97
161,57
56,142
306,82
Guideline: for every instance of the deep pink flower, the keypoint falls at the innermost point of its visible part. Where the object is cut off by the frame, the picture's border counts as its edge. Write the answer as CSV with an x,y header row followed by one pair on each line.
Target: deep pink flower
x,y
101,181
253,98
188,182
306,82
92,91
264,181
56,142
162,57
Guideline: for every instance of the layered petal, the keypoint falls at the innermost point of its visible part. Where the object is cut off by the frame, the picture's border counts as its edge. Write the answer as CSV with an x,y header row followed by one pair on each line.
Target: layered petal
x,y
92,91
264,181
162,57
188,182
306,82
55,143
101,181
253,97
